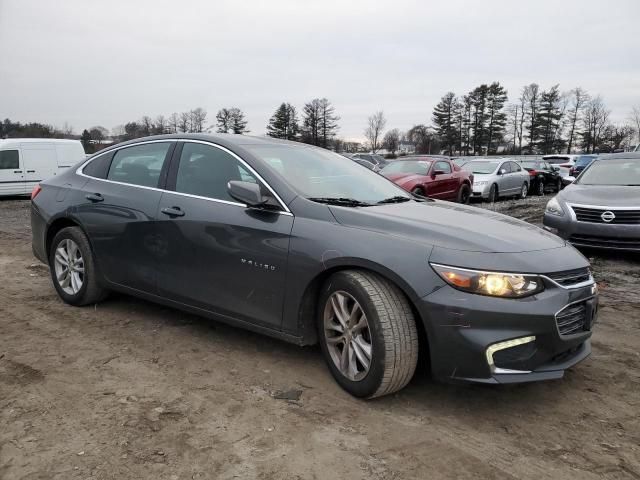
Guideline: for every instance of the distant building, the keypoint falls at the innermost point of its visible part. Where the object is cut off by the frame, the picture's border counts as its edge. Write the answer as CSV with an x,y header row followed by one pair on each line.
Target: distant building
x,y
407,148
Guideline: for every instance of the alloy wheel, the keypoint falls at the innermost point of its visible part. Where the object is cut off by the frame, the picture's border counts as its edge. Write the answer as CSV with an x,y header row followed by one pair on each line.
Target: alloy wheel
x,y
69,266
347,335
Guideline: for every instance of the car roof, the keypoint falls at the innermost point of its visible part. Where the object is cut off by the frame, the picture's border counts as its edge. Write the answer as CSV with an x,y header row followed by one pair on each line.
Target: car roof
x,y
622,155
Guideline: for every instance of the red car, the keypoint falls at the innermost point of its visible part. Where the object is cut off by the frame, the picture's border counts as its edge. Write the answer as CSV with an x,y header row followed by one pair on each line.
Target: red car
x,y
431,177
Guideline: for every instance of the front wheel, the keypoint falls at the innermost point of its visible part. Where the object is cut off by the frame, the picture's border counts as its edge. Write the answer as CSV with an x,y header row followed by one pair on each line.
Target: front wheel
x,y
464,194
367,333
540,188
493,193
524,190
419,191
73,269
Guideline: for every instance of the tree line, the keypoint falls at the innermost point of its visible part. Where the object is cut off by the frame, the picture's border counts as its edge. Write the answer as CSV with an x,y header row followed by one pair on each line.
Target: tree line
x,y
538,122
478,123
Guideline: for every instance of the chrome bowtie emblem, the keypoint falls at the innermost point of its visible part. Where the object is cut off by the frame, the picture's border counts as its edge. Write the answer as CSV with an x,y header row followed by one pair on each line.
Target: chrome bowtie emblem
x,y
608,216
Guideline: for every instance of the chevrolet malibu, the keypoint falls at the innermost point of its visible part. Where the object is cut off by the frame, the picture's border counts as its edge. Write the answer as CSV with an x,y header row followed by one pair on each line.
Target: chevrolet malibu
x,y
293,242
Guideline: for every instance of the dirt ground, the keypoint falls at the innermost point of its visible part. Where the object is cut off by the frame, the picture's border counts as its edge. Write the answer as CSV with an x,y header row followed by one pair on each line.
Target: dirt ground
x,y
127,390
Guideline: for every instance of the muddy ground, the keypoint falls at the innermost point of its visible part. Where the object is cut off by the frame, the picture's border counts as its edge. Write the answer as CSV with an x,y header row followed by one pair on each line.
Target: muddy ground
x,y
129,390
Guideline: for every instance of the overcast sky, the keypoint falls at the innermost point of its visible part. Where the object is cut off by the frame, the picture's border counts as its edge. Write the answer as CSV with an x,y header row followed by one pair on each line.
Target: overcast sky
x,y
108,62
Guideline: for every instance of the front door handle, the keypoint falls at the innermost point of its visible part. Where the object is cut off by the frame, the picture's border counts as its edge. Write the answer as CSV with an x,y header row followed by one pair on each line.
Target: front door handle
x,y
95,197
17,171
173,211
31,171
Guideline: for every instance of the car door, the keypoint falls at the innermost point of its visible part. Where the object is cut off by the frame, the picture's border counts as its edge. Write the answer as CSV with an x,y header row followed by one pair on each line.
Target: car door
x,y
220,255
11,173
519,176
504,179
446,179
40,163
120,204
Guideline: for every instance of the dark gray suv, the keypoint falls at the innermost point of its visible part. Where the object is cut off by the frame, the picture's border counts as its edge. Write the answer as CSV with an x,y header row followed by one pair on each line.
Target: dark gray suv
x,y
292,241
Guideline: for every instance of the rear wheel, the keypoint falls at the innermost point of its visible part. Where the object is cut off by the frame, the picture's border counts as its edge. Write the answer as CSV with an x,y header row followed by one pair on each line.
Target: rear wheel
x,y
540,187
524,190
464,194
73,268
493,193
367,333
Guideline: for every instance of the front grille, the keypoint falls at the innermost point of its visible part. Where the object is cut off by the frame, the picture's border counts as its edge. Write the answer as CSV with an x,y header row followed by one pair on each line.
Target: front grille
x,y
568,278
605,242
573,319
594,215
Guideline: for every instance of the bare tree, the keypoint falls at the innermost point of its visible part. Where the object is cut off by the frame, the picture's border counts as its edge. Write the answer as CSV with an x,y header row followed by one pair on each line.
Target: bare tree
x,y
198,120
595,121
161,125
173,122
579,99
391,140
635,119
184,125
374,130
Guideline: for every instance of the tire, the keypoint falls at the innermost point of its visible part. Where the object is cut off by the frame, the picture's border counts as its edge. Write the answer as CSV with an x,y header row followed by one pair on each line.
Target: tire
x,y
84,289
419,191
464,194
524,190
540,188
493,193
390,324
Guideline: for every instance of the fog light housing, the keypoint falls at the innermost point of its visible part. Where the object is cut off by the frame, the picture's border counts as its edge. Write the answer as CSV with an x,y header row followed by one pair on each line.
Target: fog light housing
x,y
496,347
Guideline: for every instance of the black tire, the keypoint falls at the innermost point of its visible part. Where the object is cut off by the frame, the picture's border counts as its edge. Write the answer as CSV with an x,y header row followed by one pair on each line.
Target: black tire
x,y
392,329
91,291
540,188
464,194
524,190
493,193
419,191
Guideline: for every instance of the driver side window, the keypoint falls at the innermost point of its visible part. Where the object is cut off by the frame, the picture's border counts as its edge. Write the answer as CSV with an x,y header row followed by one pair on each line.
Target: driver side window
x,y
205,171
443,166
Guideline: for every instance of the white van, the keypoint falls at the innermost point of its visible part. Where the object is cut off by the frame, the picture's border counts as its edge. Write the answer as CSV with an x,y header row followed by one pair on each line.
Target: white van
x,y
24,162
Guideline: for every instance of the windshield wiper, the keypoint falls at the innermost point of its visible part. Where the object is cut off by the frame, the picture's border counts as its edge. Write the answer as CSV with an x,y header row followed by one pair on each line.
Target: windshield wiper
x,y
396,199
342,201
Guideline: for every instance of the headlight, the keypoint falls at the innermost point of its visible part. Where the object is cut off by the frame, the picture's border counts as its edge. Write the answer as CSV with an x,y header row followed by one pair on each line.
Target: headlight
x,y
509,285
554,208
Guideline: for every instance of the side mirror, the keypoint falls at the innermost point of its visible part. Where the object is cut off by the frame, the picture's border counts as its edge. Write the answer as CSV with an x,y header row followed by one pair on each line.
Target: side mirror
x,y
502,171
438,172
250,193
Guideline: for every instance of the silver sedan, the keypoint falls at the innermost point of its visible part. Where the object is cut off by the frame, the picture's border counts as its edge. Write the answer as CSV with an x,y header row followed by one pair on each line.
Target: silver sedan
x,y
495,178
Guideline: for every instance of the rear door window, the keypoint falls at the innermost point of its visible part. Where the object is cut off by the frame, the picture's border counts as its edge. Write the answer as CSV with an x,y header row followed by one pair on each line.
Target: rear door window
x,y
9,160
139,165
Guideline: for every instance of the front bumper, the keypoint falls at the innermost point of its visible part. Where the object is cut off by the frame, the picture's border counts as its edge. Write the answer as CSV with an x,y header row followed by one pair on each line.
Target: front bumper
x,y
593,235
480,191
462,326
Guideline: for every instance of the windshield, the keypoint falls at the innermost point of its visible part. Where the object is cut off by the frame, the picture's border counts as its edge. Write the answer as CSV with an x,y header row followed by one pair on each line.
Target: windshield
x,y
611,172
531,164
557,160
419,167
480,167
321,174
584,161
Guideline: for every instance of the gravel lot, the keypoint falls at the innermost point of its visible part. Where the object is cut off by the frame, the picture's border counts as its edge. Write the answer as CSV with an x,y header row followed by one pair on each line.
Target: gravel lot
x,y
129,390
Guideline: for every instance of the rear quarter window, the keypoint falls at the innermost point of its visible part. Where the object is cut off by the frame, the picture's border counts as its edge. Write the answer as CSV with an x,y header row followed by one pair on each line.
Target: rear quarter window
x,y
98,167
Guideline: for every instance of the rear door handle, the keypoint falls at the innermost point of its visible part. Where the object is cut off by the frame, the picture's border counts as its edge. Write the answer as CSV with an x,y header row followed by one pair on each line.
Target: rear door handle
x,y
95,197
31,171
17,171
173,211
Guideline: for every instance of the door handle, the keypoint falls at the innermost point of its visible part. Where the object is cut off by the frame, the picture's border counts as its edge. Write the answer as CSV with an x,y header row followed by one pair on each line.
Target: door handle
x,y
95,197
17,171
31,171
173,211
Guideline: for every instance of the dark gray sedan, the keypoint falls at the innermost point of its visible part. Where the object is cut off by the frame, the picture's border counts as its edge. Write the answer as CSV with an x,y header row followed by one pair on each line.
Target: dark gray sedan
x,y
295,242
601,208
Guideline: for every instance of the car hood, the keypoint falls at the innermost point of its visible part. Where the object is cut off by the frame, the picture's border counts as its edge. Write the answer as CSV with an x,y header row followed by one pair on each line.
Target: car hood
x,y
403,177
601,195
450,225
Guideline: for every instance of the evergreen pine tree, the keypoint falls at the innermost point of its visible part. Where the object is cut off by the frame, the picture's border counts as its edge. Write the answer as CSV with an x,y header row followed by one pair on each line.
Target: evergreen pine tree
x,y
284,123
